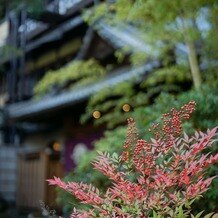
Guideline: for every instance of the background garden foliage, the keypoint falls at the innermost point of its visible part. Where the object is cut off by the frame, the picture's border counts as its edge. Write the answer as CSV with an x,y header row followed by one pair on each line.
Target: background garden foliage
x,y
64,77
184,40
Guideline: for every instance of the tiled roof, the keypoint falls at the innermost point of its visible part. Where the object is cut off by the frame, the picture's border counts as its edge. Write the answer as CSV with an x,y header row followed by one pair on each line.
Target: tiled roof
x,y
33,107
56,33
122,36
126,36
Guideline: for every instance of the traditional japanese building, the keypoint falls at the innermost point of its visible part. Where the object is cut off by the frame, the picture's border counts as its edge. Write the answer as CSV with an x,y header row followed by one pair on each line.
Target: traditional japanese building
x,y
45,133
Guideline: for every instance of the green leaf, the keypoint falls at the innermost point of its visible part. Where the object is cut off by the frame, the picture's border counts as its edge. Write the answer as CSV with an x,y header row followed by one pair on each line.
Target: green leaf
x,y
209,215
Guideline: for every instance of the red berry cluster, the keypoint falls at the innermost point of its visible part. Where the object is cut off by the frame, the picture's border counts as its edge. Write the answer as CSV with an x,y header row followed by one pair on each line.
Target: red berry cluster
x,y
142,157
172,124
131,139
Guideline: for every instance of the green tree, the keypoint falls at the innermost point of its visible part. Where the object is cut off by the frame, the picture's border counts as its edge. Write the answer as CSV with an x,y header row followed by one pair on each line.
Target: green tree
x,y
166,25
180,34
74,75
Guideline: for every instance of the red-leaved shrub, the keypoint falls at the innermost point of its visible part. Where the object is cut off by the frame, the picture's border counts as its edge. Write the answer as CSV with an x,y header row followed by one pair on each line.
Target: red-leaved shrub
x,y
157,178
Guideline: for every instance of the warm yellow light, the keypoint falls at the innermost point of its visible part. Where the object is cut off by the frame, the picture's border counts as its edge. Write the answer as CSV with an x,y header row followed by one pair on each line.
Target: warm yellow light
x,y
57,146
126,107
96,114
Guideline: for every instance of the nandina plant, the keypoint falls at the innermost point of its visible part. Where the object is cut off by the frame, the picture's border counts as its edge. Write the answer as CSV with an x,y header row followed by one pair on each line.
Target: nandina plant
x,y
157,178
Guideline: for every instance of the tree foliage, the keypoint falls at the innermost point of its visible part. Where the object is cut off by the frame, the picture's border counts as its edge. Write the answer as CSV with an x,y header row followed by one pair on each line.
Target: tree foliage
x,y
185,23
72,76
109,101
181,38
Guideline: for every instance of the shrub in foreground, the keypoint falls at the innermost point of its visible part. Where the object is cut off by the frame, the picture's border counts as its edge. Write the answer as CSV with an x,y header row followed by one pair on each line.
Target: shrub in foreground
x,y
157,178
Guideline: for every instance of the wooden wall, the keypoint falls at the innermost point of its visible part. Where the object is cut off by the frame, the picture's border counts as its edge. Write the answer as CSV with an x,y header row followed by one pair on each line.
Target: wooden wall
x,y
33,170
